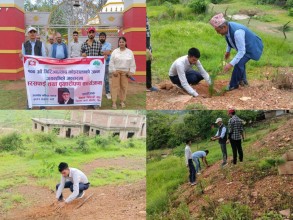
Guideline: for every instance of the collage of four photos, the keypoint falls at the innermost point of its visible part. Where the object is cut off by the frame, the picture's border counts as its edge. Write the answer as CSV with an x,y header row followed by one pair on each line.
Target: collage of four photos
x,y
146,109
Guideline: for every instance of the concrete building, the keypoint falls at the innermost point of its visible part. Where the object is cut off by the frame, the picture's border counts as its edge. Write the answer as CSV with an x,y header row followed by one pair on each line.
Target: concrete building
x,y
91,123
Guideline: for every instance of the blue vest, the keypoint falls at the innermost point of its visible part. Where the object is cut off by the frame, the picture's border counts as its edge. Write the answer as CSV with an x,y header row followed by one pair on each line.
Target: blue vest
x,y
54,50
253,43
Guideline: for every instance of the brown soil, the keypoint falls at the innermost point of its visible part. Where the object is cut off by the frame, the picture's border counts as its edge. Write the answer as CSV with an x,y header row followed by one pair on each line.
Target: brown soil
x,y
124,201
260,190
261,95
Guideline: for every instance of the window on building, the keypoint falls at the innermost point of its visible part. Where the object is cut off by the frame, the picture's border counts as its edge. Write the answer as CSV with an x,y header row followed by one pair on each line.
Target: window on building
x,y
130,134
36,126
43,128
116,134
98,132
56,131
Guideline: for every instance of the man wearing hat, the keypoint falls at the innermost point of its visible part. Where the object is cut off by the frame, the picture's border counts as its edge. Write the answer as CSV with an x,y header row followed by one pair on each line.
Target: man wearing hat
x,y
221,136
91,47
235,135
182,74
247,44
33,46
66,99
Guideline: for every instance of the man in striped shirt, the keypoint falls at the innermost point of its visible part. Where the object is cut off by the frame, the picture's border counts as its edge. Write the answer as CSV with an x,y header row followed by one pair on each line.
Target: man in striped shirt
x,y
235,135
189,163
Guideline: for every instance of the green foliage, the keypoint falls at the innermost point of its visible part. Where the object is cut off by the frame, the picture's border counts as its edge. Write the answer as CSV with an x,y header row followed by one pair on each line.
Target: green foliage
x,y
233,211
290,12
198,6
289,4
163,178
48,169
271,215
182,212
216,1
170,9
268,163
82,144
11,142
61,150
45,137
266,18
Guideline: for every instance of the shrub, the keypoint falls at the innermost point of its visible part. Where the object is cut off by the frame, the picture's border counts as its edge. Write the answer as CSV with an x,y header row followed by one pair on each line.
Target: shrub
x,y
216,1
198,6
289,4
45,137
233,211
82,144
290,12
170,9
271,215
60,150
102,141
11,142
48,169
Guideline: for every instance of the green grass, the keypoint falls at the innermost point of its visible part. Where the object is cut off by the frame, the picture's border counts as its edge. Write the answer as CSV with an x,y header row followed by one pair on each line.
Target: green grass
x,y
165,175
8,200
171,38
38,163
109,176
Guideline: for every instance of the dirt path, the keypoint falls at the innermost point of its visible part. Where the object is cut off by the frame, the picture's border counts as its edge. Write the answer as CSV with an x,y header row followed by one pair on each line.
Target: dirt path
x,y
124,201
260,95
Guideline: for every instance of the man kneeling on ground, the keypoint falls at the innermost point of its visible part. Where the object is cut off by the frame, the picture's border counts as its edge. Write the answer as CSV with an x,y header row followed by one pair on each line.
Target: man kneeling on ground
x,y
74,179
182,74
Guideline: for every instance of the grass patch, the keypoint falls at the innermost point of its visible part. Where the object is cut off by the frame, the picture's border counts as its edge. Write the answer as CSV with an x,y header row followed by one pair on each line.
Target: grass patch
x,y
109,176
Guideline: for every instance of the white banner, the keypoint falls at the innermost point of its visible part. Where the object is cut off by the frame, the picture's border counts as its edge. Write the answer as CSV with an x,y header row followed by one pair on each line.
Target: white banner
x,y
54,82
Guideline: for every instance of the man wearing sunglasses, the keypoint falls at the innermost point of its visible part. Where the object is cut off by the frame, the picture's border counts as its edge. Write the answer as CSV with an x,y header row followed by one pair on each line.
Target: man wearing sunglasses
x,y
73,179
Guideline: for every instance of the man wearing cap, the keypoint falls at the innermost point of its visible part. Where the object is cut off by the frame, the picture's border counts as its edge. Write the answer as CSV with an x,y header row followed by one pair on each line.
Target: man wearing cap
x,y
182,74
33,46
66,99
59,49
221,136
91,47
106,50
247,44
235,135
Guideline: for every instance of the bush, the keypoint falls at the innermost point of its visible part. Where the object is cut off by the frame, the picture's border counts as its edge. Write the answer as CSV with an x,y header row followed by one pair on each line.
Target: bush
x,y
170,9
45,137
289,4
82,144
290,12
198,6
60,150
271,215
11,142
233,211
216,1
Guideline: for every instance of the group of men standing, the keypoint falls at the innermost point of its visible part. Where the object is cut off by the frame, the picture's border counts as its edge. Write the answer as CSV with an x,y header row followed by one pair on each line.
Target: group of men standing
x,y
233,135
56,48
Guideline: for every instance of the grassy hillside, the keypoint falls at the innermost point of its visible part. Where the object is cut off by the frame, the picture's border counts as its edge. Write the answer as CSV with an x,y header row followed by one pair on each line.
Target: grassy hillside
x,y
175,29
170,197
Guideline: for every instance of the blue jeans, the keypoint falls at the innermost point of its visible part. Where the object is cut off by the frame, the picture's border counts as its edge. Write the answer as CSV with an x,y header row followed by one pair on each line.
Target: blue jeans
x,y
69,184
197,163
192,77
239,72
106,80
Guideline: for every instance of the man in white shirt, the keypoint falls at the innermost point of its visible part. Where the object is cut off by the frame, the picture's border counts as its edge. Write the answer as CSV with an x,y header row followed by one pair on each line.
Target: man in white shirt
x,y
182,74
49,45
75,46
189,163
71,178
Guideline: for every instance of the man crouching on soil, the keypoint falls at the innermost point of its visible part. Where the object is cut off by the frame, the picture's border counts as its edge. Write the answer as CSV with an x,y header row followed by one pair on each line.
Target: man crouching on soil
x,y
71,178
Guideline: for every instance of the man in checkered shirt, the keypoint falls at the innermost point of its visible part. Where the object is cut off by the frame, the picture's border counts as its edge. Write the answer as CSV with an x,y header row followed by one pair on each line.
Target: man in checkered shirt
x,y
235,135
91,47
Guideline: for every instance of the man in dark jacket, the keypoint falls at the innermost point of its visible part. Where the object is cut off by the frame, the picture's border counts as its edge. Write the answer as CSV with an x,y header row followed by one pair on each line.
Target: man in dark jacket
x,y
59,49
66,97
221,135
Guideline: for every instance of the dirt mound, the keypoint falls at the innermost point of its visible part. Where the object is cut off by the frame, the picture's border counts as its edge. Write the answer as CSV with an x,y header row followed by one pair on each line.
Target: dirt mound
x,y
258,95
279,139
108,202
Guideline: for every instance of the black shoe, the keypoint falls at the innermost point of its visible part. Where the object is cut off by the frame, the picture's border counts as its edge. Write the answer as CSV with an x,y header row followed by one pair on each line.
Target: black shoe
x,y
61,199
243,83
80,195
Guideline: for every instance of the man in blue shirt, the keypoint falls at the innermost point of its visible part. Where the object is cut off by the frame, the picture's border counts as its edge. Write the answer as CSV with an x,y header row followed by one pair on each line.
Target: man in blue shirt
x,y
106,51
200,154
221,135
247,44
59,49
